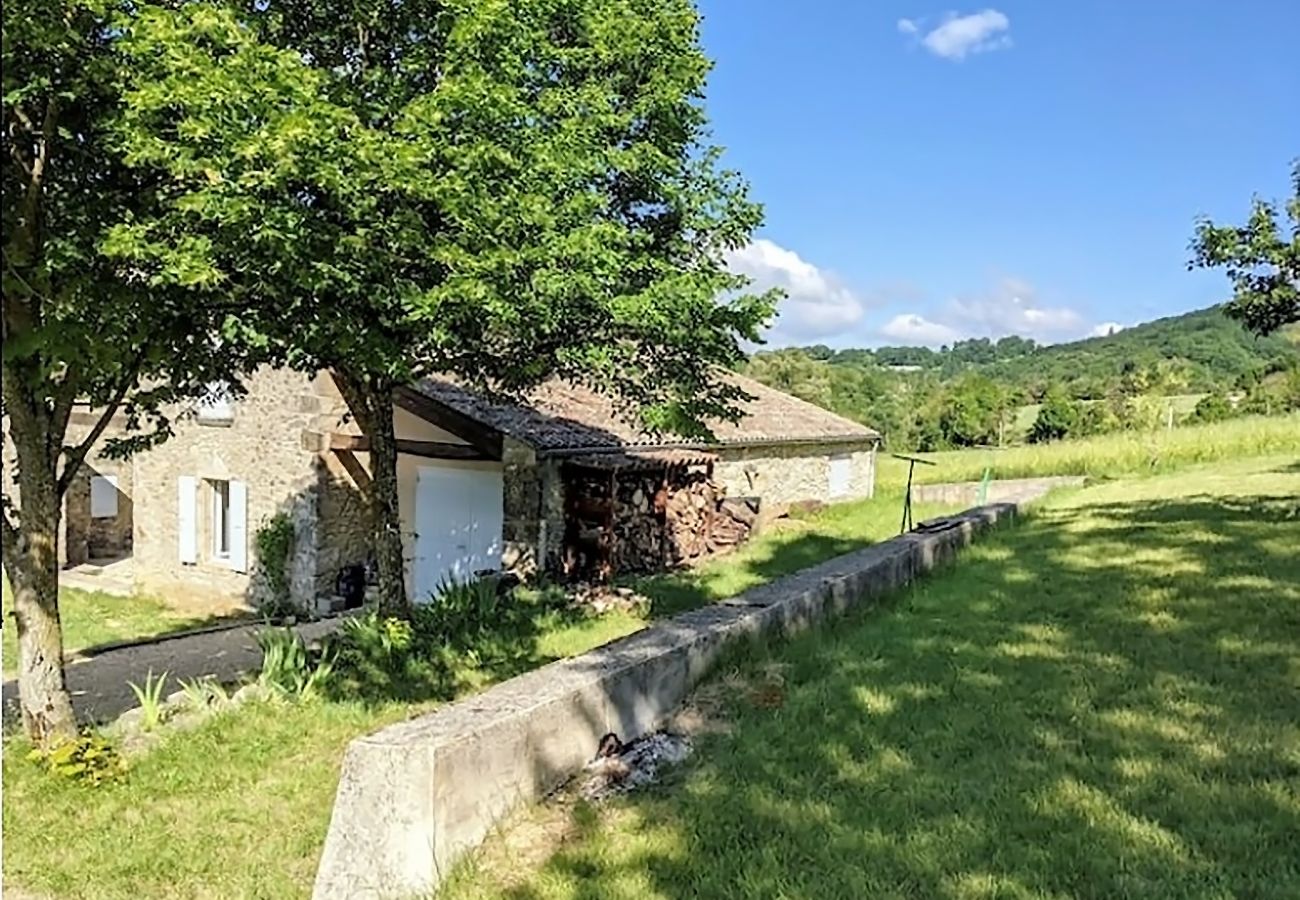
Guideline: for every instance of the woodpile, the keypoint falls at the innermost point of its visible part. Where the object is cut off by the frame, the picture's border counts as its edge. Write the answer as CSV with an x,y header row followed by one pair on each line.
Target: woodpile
x,y
646,519
701,521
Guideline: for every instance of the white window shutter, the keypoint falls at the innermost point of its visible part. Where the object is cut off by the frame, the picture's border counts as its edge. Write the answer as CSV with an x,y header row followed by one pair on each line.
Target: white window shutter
x,y
187,517
239,526
839,475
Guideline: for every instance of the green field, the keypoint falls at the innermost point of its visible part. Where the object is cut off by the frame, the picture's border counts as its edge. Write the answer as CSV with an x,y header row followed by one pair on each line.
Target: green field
x,y
1115,455
1097,703
239,807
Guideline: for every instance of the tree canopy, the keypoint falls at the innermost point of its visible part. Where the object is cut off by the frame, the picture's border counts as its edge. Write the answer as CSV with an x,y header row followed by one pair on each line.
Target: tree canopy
x,y
83,333
1262,261
504,191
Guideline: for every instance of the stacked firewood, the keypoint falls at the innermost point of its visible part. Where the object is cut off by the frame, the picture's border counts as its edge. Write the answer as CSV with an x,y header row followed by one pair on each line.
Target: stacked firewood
x,y
683,519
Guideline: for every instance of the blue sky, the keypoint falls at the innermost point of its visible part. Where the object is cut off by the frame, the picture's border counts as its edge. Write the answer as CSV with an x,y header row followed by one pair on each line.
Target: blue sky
x,y
933,171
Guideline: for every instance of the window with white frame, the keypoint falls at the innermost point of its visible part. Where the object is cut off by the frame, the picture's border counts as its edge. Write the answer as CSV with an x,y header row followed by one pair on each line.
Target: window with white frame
x,y
221,520
216,407
103,496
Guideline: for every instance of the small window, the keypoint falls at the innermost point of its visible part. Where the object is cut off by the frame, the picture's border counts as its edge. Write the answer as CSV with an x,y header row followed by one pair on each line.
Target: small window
x,y
839,475
103,496
220,519
216,408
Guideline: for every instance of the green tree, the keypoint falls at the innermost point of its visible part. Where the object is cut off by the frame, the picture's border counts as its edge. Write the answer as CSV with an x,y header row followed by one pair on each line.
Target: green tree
x,y
500,190
1211,408
970,412
85,338
1262,262
1059,417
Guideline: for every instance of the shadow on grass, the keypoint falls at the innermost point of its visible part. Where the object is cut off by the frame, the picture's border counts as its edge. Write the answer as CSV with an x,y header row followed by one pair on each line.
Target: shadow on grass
x,y
182,629
1098,703
680,591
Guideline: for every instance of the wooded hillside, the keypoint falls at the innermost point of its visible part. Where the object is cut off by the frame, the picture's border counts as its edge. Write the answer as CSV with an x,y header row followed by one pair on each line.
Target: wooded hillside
x,y
968,393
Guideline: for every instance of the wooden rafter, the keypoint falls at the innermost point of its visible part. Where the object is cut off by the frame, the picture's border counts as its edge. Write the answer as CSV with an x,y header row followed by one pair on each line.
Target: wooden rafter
x,y
485,439
357,443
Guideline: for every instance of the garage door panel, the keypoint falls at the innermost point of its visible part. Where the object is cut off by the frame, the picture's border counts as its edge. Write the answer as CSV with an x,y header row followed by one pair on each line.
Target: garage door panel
x,y
458,522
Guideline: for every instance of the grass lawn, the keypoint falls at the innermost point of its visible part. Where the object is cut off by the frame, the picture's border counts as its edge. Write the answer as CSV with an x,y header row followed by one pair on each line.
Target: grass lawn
x,y
90,618
1100,702
239,808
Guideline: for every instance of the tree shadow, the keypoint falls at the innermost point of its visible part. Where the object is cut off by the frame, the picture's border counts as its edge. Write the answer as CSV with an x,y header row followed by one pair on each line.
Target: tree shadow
x,y
1097,703
686,589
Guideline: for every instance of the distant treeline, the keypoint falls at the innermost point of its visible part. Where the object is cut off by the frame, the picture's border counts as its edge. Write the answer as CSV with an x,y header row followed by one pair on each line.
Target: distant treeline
x,y
969,393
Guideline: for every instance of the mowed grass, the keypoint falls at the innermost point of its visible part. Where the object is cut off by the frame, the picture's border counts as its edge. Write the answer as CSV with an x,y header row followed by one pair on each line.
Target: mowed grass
x,y
1115,455
1100,702
239,807
91,619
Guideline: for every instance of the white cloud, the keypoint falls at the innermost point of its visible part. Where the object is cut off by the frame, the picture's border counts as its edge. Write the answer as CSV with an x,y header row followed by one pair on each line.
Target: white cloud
x,y
1011,306
910,328
958,36
817,304
1105,328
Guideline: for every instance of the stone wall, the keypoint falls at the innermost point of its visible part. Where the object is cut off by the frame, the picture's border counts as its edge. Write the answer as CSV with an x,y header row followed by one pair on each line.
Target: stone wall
x,y
416,796
787,474
1006,489
87,537
522,476
260,445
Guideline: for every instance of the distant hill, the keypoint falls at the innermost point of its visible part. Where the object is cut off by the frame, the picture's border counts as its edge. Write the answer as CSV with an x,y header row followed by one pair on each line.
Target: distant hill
x,y
982,390
1195,352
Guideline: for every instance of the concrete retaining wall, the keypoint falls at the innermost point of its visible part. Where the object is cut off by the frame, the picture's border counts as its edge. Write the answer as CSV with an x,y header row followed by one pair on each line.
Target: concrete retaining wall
x,y
1005,490
415,796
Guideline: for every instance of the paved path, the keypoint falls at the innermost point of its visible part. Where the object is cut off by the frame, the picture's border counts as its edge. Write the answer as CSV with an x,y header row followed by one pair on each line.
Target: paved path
x,y
99,683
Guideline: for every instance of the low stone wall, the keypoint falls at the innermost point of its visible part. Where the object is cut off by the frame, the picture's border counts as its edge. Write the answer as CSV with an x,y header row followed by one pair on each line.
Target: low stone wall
x,y
1005,490
415,796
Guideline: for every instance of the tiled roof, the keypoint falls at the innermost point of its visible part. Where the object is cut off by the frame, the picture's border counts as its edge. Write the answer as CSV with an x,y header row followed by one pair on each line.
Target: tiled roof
x,y
562,416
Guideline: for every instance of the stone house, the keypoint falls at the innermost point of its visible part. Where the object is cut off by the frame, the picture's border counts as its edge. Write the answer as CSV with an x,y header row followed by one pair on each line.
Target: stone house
x,y
480,482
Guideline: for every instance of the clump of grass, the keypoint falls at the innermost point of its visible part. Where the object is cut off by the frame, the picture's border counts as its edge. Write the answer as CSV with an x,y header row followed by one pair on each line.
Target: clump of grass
x,y
204,693
289,668
150,698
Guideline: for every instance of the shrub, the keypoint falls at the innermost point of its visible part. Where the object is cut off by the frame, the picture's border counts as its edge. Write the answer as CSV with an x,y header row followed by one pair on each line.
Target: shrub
x,y
274,541
288,667
1212,408
464,625
87,759
460,612
1058,417
378,657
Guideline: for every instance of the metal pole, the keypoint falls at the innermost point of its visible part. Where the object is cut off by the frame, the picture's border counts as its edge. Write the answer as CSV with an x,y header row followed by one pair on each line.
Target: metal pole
x,y
907,502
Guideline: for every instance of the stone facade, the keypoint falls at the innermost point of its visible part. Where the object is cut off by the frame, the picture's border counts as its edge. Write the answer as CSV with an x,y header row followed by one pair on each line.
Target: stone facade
x,y
88,534
782,474
271,442
260,445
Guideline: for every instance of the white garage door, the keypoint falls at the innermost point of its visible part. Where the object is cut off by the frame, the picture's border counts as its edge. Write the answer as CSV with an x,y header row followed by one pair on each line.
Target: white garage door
x,y
458,519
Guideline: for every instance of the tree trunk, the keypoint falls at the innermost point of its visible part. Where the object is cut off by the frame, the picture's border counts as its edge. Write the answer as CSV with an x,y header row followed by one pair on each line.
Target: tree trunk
x,y
31,562
371,401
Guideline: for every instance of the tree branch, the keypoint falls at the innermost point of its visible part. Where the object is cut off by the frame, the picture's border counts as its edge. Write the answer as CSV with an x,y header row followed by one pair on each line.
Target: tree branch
x,y
74,456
